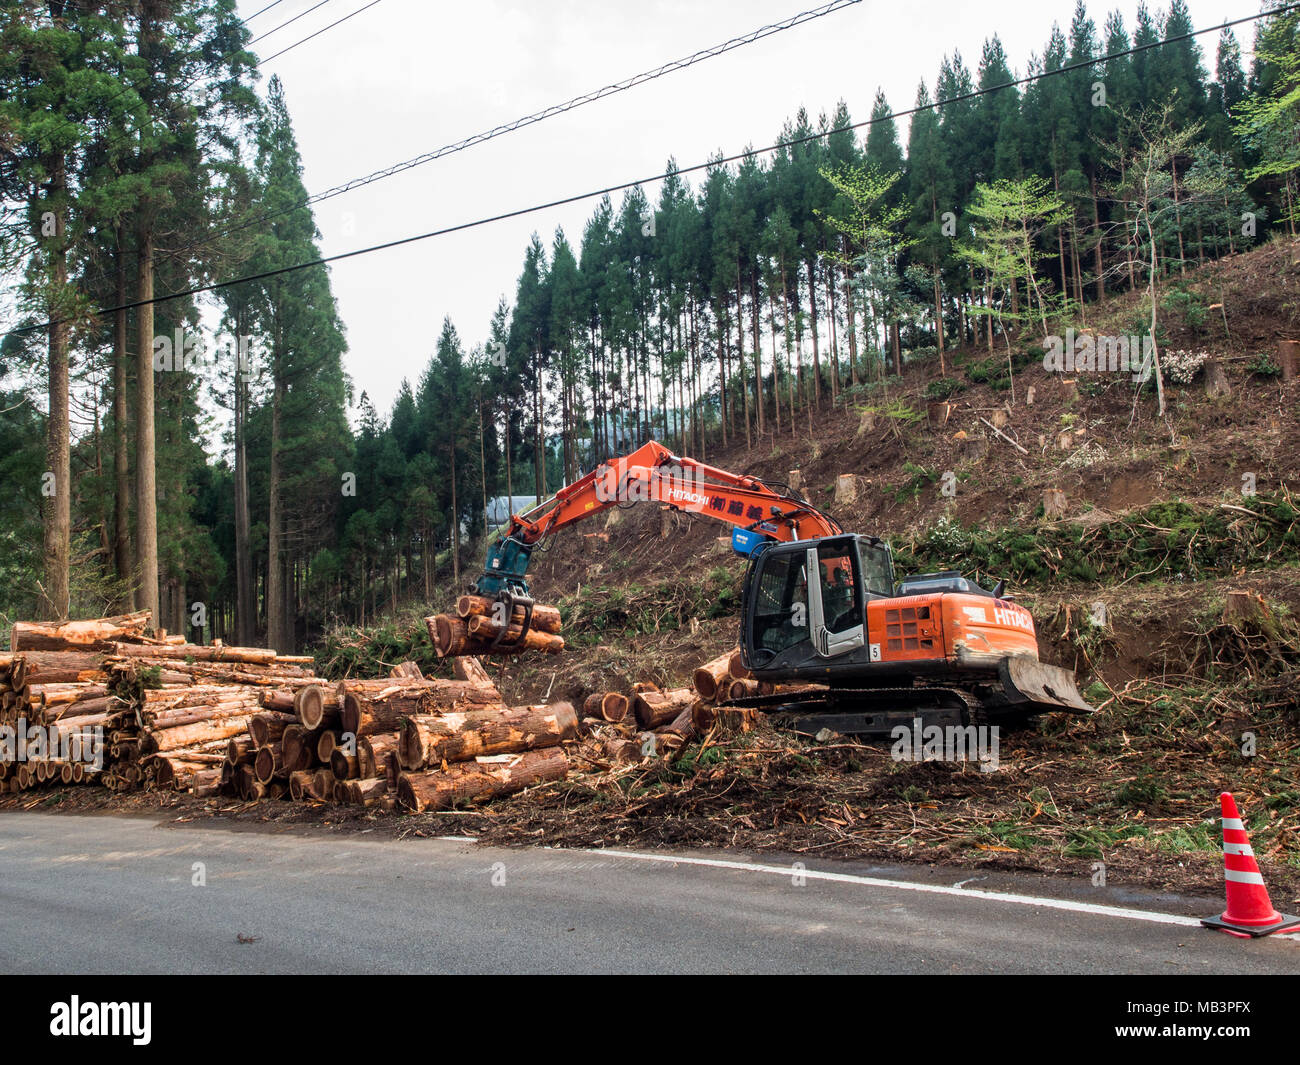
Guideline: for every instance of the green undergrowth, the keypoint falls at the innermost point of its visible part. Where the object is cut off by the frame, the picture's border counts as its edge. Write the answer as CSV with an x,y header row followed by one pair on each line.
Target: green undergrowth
x,y
1165,541
351,651
639,609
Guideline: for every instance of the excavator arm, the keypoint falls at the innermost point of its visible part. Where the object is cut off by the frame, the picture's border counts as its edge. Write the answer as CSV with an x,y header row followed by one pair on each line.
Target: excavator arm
x,y
758,512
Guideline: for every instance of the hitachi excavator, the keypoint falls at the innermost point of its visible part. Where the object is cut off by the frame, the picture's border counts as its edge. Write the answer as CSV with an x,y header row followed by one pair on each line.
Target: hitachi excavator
x,y
820,606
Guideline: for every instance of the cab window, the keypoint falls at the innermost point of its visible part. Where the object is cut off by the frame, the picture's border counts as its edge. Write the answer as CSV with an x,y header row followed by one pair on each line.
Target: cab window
x,y
841,603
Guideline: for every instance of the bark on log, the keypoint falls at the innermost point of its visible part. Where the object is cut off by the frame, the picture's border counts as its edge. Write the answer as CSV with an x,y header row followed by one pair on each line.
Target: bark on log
x,y
188,735
480,780
253,655
472,670
682,727
428,740
736,666
93,635
378,755
407,671
369,709
703,715
486,629
545,618
364,792
709,676
658,708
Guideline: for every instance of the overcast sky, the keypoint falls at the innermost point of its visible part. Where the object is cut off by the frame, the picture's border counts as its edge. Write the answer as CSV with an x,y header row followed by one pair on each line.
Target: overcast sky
x,y
408,76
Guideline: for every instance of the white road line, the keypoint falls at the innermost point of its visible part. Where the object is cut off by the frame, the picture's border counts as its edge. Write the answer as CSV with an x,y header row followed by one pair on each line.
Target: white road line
x,y
908,885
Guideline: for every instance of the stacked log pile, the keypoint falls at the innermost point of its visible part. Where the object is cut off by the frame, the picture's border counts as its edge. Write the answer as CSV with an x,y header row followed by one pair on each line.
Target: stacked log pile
x,y
479,627
186,702
425,744
648,722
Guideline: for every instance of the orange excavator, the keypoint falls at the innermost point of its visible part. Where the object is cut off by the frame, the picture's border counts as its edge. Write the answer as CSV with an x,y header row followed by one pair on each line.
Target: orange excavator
x,y
820,606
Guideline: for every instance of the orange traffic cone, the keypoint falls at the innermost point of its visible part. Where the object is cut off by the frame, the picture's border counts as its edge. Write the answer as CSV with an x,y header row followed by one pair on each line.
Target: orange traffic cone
x,y
1250,911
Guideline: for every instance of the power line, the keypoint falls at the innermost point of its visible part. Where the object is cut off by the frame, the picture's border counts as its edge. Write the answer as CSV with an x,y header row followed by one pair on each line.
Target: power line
x,y
532,119
719,161
317,33
287,22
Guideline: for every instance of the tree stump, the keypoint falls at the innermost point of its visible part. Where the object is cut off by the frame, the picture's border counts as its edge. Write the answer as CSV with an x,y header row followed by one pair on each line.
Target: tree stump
x,y
938,413
1216,379
846,489
1053,503
1242,606
1288,357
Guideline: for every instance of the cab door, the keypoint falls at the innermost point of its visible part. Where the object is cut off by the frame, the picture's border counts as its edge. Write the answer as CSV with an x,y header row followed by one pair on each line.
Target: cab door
x,y
836,597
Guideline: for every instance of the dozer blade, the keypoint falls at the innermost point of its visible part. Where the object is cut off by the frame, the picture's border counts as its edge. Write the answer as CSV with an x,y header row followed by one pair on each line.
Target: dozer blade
x,y
1027,679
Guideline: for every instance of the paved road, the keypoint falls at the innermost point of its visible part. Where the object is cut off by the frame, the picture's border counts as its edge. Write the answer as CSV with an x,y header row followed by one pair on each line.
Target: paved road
x,y
103,894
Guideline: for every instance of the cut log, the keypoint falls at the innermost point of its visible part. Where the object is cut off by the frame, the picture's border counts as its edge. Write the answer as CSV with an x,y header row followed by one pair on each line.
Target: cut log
x,y
364,792
344,766
479,780
53,667
450,636
96,634
199,653
369,708
471,669
736,666
428,740
269,763
486,629
653,709
299,748
682,726
188,735
378,756
268,728
314,708
407,671
545,618
326,745
708,678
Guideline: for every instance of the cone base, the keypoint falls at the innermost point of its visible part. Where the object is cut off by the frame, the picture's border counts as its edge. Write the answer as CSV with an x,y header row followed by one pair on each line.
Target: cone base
x,y
1284,923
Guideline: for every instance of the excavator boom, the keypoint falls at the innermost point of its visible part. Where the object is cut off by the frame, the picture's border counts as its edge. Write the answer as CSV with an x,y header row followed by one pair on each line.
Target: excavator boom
x,y
758,511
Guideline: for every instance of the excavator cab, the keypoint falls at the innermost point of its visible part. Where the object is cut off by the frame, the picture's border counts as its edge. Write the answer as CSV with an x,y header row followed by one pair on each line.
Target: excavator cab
x,y
791,618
